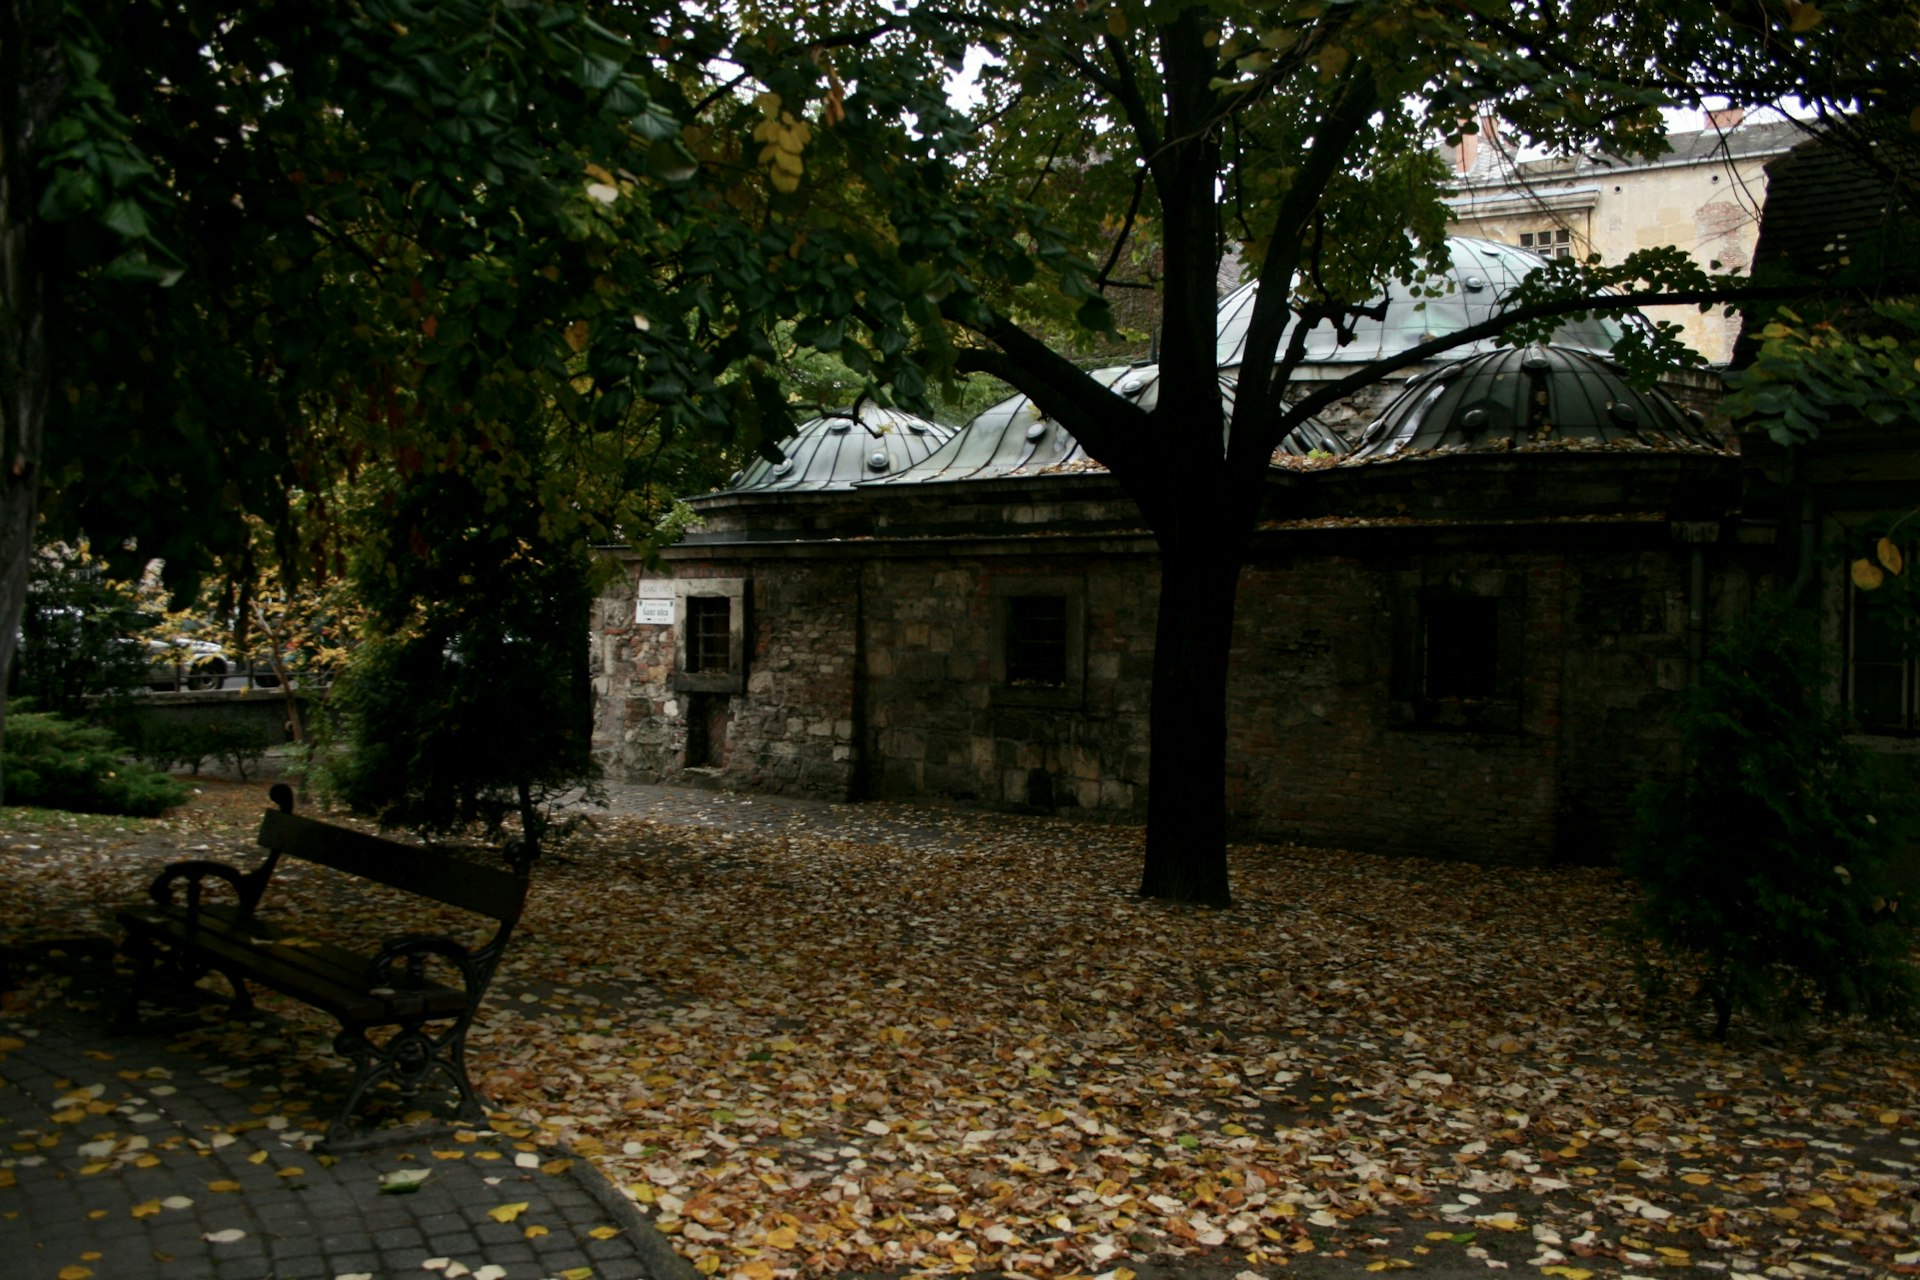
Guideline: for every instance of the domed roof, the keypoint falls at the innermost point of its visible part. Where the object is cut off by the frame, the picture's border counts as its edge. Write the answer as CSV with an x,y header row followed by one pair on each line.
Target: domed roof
x,y
836,451
1480,274
1521,397
1014,437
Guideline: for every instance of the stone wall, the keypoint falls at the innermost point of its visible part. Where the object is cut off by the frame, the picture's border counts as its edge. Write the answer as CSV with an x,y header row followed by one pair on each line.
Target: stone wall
x,y
789,725
872,666
938,725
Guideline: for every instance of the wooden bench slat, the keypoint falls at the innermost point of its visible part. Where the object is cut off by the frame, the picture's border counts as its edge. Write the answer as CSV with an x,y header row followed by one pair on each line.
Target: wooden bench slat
x,y
427,873
323,976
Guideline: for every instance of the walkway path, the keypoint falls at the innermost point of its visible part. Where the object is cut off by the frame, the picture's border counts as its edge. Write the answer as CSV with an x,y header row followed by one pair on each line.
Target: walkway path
x,y
136,1158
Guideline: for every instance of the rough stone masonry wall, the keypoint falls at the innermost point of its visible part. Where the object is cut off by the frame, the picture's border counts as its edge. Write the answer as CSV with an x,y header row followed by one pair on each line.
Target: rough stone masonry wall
x,y
789,729
1315,757
936,726
793,729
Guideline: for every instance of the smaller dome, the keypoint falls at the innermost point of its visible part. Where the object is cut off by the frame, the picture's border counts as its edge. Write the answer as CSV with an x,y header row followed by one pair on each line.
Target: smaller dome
x,y
828,453
1014,438
1528,397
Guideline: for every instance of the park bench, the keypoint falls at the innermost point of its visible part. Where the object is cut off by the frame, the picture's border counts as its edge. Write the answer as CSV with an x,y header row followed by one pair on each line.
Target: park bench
x,y
399,1022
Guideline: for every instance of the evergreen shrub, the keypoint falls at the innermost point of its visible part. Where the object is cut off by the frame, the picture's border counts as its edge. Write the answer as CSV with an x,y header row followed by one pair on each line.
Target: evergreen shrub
x,y
53,763
1769,861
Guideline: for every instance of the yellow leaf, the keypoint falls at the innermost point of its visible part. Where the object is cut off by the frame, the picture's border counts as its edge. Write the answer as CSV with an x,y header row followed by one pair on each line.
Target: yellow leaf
x,y
604,1233
708,1264
578,334
75,1272
577,1273
599,174
1698,1179
556,1166
1890,555
224,1184
1820,1202
535,1231
9,1043
1668,1251
146,1208
1867,575
1889,1117
449,1155
291,1171
258,1157
507,1212
783,1238
1567,1273
91,1255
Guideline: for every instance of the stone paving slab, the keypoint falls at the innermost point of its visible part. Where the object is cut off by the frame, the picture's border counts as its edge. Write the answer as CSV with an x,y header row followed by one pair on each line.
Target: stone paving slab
x,y
126,1158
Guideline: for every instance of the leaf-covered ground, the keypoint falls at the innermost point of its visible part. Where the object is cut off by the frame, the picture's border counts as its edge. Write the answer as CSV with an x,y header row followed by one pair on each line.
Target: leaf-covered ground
x,y
866,1040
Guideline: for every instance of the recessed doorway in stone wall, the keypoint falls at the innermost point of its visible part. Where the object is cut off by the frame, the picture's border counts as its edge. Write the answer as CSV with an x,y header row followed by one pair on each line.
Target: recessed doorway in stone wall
x,y
709,715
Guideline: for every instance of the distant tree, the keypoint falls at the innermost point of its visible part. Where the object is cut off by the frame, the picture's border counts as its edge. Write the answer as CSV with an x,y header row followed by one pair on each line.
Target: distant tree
x,y
81,635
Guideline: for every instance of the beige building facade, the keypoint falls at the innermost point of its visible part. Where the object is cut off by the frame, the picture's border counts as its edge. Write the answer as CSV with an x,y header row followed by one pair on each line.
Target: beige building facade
x,y
1704,196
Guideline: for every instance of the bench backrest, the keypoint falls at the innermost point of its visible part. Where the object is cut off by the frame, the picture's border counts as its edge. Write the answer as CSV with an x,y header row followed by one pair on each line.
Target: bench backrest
x,y
428,873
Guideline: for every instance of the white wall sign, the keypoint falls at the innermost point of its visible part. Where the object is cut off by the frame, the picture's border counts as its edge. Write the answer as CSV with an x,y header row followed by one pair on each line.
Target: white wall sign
x,y
658,612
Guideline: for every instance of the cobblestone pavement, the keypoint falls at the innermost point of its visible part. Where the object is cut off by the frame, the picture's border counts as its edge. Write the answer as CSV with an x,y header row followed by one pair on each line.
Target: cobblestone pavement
x,y
134,1157
129,1157
154,1155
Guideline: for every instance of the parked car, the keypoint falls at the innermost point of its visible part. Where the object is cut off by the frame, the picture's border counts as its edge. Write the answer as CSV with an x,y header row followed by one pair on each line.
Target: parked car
x,y
194,665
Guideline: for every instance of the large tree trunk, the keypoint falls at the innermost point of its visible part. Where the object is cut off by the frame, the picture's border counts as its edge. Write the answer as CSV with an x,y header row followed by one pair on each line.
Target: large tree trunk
x,y
31,81
1186,859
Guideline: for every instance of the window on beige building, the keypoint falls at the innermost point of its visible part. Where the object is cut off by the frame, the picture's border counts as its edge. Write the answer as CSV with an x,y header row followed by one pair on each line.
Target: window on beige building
x,y
1552,242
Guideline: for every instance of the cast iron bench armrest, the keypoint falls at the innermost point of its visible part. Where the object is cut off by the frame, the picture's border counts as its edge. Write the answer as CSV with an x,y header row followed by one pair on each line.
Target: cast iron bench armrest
x,y
195,873
409,951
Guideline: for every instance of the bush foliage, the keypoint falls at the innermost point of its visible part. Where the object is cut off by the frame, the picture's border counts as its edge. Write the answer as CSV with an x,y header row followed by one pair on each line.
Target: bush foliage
x,y
56,764
1768,861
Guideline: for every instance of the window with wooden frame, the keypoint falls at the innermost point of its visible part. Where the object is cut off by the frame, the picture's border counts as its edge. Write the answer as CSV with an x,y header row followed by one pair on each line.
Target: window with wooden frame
x,y
1551,242
1457,652
709,635
1039,641
711,643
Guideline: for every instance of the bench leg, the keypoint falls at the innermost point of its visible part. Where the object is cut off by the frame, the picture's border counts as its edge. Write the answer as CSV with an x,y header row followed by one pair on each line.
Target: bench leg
x,y
159,970
409,1058
171,971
